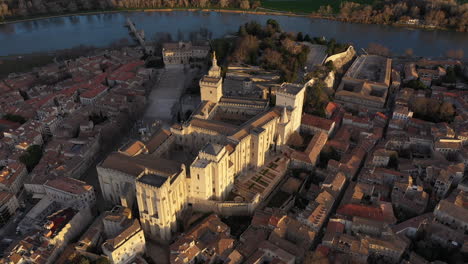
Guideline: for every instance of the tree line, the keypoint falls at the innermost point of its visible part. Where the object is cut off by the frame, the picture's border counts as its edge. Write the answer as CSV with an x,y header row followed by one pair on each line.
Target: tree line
x,y
438,13
25,8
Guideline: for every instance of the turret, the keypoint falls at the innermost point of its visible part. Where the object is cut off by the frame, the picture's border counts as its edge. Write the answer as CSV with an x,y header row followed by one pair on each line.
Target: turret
x,y
211,84
215,70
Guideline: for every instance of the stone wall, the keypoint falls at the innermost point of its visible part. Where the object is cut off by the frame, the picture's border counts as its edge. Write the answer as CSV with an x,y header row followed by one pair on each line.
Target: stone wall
x,y
227,208
343,58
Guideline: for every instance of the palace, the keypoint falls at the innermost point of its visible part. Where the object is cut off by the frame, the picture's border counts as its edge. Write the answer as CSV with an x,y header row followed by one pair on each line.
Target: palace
x,y
199,160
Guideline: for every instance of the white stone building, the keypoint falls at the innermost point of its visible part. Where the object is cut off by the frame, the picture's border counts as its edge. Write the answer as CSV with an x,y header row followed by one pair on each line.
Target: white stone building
x,y
198,160
8,206
183,52
66,190
126,245
12,177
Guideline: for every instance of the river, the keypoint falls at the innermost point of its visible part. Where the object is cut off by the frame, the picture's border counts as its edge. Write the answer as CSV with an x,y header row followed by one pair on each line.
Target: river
x,y
100,30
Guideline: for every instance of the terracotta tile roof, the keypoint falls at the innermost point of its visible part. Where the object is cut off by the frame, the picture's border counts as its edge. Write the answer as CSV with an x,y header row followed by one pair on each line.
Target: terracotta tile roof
x,y
365,211
126,234
69,185
5,197
95,91
335,227
331,107
134,148
312,152
316,121
158,138
10,173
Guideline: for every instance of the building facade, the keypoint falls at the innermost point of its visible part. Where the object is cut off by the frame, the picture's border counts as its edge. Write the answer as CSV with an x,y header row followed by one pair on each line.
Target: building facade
x,y
223,138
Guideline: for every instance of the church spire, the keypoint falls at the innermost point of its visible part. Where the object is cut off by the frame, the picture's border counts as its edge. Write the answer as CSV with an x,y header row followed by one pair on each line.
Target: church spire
x,y
215,62
215,70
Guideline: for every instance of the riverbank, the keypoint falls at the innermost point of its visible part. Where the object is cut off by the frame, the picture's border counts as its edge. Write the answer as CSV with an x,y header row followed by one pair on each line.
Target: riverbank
x,y
257,11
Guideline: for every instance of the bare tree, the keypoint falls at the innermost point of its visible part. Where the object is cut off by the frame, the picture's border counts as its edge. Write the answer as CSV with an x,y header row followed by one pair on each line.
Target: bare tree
x,y
244,4
223,3
378,49
409,52
272,58
455,54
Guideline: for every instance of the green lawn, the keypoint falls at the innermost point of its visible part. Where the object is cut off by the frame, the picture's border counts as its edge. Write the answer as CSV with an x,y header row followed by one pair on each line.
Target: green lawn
x,y
307,6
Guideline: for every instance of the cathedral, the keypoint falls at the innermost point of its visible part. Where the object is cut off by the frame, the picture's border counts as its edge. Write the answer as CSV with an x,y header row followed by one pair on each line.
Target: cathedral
x,y
199,159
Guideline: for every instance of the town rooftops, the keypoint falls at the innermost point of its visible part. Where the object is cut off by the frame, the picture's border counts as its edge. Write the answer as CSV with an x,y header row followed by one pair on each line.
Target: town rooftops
x,y
58,220
432,63
457,212
95,91
377,213
447,144
316,121
133,148
69,185
210,234
158,138
118,214
312,152
9,173
5,197
130,231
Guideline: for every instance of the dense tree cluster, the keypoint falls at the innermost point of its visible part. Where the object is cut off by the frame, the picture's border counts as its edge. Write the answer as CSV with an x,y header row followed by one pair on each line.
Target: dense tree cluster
x,y
432,110
31,157
25,8
316,99
15,118
333,47
444,13
270,48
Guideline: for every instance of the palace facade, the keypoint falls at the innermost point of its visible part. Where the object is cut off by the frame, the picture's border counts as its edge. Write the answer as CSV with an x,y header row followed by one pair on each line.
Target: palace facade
x,y
199,159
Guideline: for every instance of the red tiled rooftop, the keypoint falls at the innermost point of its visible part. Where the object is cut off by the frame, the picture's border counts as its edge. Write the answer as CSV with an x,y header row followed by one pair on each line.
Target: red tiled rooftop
x,y
9,124
331,107
95,91
69,185
324,250
99,79
335,227
374,213
4,197
130,66
381,115
122,76
316,121
38,102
